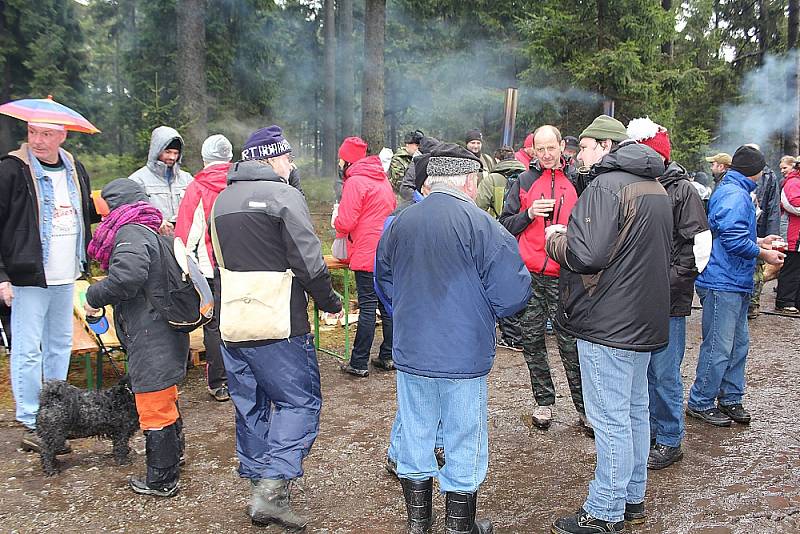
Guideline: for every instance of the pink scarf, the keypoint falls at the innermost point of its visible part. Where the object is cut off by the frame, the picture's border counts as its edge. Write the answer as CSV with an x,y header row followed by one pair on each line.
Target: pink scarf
x,y
103,241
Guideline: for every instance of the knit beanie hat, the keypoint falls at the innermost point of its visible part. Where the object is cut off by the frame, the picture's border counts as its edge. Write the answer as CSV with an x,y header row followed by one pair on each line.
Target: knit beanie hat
x,y
651,134
217,148
353,149
605,127
528,141
473,135
175,144
748,160
265,143
571,142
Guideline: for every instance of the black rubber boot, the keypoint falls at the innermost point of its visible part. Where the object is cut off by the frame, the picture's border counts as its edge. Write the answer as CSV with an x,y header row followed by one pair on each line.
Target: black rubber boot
x,y
461,515
270,504
181,440
419,504
163,453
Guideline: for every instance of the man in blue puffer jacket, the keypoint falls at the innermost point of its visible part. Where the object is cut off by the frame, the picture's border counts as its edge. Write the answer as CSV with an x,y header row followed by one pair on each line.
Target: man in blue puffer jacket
x,y
724,288
449,270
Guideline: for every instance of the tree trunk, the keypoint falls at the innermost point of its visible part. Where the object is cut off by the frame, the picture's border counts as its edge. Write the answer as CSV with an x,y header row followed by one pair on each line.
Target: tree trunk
x,y
347,68
6,137
667,46
329,147
761,29
602,15
792,139
372,101
191,77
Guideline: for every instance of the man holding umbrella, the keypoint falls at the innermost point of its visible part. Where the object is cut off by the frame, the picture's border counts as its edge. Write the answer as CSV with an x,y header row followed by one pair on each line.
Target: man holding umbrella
x,y
45,213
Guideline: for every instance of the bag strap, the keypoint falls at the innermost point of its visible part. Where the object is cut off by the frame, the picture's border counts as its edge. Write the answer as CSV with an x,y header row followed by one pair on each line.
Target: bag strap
x,y
164,274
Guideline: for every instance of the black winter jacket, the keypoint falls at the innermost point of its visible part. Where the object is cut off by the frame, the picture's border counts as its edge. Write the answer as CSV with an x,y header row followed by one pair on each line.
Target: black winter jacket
x,y
266,249
615,255
156,353
689,217
20,245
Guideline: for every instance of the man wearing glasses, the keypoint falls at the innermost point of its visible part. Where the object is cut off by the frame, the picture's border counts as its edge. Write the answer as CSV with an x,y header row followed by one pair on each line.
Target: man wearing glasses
x,y
543,195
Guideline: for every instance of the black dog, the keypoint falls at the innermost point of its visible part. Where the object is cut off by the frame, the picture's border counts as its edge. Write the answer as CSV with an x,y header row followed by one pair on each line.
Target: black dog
x,y
67,412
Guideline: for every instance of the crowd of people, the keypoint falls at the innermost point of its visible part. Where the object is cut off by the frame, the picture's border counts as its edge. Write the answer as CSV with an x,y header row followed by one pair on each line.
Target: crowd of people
x,y
599,239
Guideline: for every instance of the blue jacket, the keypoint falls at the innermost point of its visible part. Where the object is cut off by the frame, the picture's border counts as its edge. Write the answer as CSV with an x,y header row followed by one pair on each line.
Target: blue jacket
x,y
449,270
732,221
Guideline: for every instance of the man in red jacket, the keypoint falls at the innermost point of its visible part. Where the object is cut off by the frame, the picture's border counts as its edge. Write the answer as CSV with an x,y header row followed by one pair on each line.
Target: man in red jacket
x,y
367,199
191,228
542,196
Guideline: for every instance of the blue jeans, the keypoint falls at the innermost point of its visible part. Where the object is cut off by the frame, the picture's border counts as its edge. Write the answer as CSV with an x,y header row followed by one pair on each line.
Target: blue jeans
x,y
460,406
41,319
666,387
723,353
396,436
365,334
276,392
615,395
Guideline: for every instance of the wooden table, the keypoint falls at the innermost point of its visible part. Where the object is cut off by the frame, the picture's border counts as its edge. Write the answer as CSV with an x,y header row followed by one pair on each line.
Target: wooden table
x,y
333,264
84,344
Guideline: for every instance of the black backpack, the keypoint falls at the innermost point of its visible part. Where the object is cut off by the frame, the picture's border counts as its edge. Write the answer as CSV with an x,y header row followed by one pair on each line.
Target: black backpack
x,y
511,179
188,302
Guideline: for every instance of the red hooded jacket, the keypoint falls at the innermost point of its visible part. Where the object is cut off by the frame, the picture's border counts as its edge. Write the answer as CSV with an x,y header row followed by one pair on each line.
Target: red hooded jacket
x,y
195,209
367,199
791,189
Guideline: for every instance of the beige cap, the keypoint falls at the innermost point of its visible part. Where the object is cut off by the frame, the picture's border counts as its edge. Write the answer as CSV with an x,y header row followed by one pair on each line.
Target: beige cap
x,y
722,157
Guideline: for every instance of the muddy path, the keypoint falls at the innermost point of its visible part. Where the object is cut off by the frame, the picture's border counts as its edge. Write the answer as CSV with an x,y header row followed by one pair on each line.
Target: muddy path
x,y
731,480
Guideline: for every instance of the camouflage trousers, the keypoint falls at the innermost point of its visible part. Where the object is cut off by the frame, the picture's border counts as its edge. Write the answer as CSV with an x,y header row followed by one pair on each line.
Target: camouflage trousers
x,y
758,284
541,306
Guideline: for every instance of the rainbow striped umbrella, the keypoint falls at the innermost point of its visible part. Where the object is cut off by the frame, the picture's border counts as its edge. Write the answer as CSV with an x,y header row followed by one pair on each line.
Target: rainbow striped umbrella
x,y
48,110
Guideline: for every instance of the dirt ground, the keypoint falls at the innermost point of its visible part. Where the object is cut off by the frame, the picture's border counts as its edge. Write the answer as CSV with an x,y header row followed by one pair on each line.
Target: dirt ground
x,y
731,480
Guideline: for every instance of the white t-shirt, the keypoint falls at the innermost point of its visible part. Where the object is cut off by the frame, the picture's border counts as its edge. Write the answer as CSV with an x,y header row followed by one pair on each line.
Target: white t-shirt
x,y
62,264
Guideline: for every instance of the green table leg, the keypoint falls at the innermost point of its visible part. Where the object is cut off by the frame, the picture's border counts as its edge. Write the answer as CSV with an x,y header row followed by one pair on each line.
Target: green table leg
x,y
87,363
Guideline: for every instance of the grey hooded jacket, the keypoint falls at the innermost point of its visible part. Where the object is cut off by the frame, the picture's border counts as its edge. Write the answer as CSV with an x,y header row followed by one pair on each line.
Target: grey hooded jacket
x,y
163,193
156,352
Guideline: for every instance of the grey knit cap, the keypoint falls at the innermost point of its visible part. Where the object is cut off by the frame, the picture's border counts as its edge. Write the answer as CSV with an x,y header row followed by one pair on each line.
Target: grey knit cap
x,y
217,148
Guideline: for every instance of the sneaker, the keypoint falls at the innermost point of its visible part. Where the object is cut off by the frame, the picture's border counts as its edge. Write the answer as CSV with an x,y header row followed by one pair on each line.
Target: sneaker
x,y
712,416
542,417
384,365
391,466
662,456
789,311
515,347
736,412
31,442
548,328
220,394
140,486
583,523
349,369
753,312
634,513
503,344
588,429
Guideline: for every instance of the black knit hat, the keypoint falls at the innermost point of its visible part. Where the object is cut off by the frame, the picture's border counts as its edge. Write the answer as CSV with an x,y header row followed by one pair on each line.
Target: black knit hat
x,y
175,144
473,135
748,160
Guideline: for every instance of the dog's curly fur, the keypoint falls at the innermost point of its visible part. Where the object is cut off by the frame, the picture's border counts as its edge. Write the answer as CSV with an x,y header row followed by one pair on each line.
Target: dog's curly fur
x,y
67,412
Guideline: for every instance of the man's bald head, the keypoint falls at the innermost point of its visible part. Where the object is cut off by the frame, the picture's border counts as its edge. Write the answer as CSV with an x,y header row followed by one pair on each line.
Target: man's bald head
x,y
548,146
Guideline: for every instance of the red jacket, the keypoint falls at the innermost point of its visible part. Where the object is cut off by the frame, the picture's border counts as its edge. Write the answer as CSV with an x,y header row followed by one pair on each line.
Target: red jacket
x,y
791,188
523,157
195,210
535,184
367,199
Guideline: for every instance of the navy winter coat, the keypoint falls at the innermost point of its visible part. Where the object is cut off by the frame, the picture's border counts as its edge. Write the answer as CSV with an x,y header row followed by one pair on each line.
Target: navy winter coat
x,y
448,270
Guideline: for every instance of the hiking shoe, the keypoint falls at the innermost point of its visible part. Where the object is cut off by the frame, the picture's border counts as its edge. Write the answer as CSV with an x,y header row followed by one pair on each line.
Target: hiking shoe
x,y
587,427
583,523
712,416
542,417
349,369
391,466
32,443
383,365
440,459
634,513
503,344
662,456
220,394
789,311
140,486
736,412
753,312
